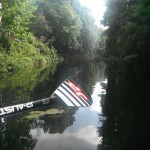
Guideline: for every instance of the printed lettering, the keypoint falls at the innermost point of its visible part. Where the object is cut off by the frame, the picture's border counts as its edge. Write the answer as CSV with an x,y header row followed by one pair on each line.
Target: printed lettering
x,y
29,105
8,110
13,108
2,111
19,107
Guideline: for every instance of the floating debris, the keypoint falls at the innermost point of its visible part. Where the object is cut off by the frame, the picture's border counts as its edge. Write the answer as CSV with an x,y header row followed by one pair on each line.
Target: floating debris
x,y
49,112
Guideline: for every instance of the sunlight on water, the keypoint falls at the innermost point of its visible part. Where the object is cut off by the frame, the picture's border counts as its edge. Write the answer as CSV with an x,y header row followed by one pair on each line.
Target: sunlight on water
x,y
96,98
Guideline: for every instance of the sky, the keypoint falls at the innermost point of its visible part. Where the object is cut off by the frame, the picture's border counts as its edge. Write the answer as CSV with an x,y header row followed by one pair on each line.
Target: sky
x,y
97,7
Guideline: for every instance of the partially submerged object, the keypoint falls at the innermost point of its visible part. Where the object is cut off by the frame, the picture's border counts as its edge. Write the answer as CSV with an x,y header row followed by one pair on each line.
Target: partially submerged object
x,y
69,93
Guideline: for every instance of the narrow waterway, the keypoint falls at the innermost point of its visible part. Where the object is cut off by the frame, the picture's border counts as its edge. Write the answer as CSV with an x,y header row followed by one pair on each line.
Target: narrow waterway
x,y
117,120
73,128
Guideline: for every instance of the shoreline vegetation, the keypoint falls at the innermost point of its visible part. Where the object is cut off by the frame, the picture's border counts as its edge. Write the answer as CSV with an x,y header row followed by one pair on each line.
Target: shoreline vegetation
x,y
19,48
38,33
128,32
25,56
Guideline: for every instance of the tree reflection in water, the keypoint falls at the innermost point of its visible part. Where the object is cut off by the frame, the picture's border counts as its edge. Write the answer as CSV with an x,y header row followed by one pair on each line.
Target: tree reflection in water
x,y
39,132
126,107
17,132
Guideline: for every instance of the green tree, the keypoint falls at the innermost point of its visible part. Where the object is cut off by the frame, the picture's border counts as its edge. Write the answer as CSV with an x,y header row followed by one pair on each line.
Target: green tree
x,y
16,16
57,21
19,49
129,32
90,33
67,25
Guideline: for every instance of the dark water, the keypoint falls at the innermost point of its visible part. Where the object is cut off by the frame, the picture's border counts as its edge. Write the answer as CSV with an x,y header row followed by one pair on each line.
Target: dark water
x,y
117,120
127,107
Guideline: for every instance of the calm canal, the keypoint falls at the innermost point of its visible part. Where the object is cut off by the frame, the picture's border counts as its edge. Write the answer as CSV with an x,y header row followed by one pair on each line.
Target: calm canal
x,y
117,120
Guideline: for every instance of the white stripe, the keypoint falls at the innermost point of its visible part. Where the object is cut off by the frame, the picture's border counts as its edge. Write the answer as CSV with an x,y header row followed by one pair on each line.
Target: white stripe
x,y
81,98
85,101
64,98
73,94
69,96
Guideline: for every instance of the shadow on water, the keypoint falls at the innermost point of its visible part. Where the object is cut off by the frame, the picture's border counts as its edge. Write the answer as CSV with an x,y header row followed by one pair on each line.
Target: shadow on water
x,y
126,108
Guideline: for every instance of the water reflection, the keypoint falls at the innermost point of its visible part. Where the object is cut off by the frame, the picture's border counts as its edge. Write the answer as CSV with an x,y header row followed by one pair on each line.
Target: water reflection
x,y
18,129
85,139
25,86
98,91
82,134
73,129
126,107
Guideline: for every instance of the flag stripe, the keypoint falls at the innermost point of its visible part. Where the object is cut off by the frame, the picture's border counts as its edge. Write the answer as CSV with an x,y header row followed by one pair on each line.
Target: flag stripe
x,y
80,100
87,102
63,97
67,94
72,94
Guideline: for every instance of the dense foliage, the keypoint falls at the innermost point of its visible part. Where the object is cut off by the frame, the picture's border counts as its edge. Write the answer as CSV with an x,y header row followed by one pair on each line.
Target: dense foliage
x,y
126,107
129,33
90,34
57,21
32,30
68,26
19,49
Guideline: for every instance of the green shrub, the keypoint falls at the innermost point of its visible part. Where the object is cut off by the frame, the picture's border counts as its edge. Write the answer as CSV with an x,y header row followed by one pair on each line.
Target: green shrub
x,y
26,53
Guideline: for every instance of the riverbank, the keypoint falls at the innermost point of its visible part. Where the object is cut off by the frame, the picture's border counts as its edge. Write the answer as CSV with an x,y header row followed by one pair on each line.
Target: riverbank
x,y
27,56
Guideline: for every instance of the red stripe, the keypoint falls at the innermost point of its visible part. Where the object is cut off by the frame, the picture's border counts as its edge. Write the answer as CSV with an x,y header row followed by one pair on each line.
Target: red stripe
x,y
77,90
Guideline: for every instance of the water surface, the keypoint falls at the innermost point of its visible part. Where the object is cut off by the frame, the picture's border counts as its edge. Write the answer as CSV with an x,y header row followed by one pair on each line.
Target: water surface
x,y
117,120
75,128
